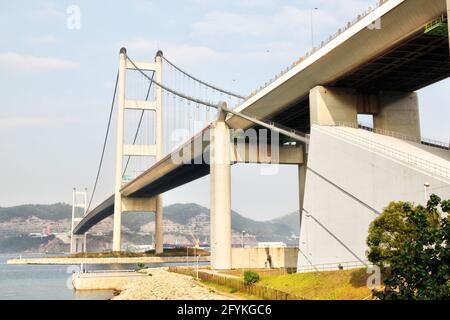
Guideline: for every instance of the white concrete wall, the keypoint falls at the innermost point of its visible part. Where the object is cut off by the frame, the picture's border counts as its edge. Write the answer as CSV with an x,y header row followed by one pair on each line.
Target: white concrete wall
x,y
399,112
330,106
257,258
348,185
105,281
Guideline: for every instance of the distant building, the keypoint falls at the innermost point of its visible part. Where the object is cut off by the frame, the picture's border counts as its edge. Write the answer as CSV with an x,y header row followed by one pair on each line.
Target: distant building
x,y
271,245
37,235
140,248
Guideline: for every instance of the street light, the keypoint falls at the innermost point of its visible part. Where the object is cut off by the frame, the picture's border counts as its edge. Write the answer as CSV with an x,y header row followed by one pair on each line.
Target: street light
x,y
243,233
426,185
312,27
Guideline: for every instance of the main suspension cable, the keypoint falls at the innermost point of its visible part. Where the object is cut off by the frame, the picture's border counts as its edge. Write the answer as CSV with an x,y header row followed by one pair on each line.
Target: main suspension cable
x,y
104,143
181,95
202,82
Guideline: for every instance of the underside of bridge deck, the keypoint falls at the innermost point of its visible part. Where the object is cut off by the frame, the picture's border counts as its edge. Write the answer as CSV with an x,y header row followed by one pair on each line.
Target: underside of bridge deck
x,y
413,64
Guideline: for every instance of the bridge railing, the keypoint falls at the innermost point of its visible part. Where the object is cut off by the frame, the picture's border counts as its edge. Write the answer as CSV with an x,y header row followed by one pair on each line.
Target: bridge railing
x,y
340,31
398,135
334,266
405,157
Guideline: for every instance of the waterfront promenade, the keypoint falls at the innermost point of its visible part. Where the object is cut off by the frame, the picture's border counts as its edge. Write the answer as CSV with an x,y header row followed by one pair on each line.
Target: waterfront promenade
x,y
121,260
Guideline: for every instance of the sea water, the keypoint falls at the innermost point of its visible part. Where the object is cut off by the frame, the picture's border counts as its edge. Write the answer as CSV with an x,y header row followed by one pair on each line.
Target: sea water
x,y
54,282
39,282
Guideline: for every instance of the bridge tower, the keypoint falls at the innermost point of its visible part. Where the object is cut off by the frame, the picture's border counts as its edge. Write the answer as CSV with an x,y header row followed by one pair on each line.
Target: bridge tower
x,y
121,203
78,242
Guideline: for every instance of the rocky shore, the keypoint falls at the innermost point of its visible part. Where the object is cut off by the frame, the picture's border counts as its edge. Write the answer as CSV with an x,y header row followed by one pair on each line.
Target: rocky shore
x,y
163,285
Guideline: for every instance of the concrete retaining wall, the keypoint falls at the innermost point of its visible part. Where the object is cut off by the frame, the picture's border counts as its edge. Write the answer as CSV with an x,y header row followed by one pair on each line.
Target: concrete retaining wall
x,y
104,281
245,258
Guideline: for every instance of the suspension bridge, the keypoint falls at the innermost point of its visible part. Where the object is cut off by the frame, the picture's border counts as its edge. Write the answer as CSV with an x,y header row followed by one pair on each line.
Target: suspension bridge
x,y
173,128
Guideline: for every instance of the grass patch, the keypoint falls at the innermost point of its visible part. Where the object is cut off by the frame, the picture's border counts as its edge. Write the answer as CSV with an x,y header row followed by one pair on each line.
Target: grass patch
x,y
228,290
332,285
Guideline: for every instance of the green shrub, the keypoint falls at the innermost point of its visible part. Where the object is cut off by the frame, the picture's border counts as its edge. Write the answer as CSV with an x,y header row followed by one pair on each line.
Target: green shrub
x,y
250,277
140,266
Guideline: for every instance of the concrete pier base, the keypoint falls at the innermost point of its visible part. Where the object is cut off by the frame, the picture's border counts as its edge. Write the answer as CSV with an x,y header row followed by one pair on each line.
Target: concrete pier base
x,y
104,280
393,111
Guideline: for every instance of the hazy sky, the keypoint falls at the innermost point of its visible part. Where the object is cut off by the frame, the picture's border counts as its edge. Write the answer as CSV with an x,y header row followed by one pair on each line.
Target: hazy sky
x,y
56,84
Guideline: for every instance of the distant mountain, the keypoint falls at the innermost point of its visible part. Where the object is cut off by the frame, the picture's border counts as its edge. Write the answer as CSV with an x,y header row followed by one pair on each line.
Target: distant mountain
x,y
291,219
181,220
54,212
183,213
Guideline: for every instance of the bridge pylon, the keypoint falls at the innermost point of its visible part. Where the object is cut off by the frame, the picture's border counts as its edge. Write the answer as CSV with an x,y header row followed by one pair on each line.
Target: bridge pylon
x,y
78,242
122,203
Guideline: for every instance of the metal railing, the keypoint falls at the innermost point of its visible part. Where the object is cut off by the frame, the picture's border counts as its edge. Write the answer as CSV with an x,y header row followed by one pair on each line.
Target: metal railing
x,y
340,31
399,155
334,266
398,135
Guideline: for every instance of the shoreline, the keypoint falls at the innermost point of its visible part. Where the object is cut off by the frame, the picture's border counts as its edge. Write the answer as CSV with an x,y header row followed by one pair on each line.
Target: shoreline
x,y
124,260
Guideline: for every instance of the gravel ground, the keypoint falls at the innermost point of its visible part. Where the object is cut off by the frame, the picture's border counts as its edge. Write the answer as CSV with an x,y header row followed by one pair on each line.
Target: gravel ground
x,y
164,285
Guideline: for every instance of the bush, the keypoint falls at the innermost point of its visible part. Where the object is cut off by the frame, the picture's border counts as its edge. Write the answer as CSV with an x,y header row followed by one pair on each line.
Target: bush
x,y
140,266
250,277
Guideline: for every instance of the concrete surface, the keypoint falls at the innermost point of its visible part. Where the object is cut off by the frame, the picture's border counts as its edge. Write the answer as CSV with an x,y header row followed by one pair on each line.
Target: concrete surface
x,y
352,175
258,258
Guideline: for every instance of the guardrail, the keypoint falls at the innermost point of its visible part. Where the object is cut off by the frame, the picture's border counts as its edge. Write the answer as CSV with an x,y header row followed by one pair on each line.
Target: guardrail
x,y
340,31
400,155
334,266
398,135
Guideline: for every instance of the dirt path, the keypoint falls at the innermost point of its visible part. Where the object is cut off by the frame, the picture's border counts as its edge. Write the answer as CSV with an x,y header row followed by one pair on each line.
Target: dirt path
x,y
164,285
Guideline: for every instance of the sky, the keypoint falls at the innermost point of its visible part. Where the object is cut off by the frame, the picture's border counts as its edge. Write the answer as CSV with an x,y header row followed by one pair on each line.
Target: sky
x,y
56,84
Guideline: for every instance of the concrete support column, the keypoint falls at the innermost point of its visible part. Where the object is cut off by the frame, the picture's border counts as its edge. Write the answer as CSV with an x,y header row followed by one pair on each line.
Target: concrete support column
x,y
331,106
302,169
159,227
159,230
119,152
220,176
399,112
393,111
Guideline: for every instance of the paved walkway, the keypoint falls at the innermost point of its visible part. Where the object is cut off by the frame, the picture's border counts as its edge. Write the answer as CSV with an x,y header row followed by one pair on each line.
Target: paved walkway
x,y
164,285
123,260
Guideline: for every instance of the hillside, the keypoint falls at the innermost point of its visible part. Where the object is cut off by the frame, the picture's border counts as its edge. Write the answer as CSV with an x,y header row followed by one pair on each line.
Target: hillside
x,y
291,219
181,221
54,212
183,213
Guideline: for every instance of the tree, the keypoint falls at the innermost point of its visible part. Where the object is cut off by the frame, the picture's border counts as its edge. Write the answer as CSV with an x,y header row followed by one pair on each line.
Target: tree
x,y
412,241
392,228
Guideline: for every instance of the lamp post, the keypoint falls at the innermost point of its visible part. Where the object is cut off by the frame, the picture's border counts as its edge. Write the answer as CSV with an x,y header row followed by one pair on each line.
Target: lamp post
x,y
426,185
312,26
